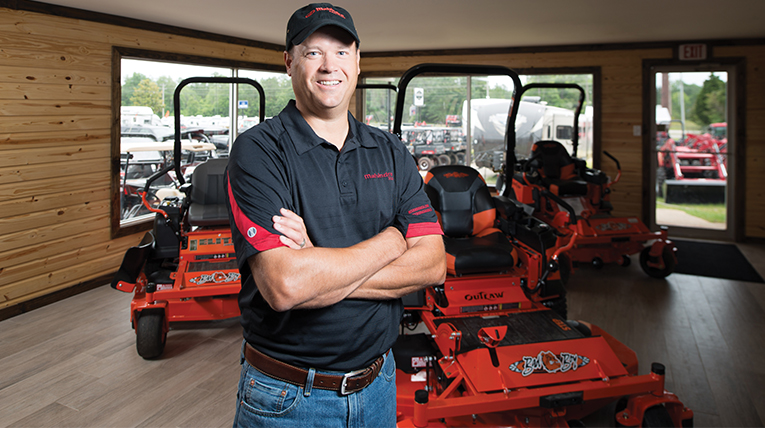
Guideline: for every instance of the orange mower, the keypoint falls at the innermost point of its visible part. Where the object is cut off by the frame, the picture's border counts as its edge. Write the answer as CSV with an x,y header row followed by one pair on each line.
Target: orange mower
x,y
486,348
575,200
184,269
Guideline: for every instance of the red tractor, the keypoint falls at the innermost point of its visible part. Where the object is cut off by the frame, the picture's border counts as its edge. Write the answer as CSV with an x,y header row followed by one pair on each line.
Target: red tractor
x,y
492,345
693,169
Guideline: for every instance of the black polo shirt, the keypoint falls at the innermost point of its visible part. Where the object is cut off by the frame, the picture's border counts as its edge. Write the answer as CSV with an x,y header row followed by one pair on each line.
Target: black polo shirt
x,y
344,197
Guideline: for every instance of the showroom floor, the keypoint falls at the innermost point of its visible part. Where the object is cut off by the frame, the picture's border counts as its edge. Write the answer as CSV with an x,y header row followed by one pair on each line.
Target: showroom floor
x,y
73,363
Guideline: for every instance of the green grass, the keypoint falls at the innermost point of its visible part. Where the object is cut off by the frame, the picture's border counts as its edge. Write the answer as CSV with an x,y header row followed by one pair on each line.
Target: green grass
x,y
714,213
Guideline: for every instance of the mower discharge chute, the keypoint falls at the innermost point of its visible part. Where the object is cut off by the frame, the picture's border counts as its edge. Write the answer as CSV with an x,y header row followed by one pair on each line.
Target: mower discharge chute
x,y
185,268
484,349
575,200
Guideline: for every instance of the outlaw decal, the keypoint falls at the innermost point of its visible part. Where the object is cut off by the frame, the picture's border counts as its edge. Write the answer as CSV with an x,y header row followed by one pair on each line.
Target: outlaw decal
x,y
484,296
217,278
547,362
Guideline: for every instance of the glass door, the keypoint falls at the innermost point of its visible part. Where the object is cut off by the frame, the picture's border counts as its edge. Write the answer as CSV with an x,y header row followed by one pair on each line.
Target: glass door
x,y
691,151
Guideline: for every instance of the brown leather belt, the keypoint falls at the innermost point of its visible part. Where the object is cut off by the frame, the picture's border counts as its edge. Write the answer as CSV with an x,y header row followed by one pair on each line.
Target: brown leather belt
x,y
344,384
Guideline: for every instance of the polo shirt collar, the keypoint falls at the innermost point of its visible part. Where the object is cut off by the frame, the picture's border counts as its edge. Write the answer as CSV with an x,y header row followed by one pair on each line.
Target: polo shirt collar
x,y
304,138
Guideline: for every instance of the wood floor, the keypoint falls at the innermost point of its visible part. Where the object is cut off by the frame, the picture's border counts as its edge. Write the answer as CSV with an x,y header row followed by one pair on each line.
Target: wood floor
x,y
73,363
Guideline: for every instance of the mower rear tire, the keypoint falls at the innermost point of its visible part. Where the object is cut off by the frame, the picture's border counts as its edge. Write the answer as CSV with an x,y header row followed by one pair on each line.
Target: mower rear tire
x,y
657,416
150,334
667,257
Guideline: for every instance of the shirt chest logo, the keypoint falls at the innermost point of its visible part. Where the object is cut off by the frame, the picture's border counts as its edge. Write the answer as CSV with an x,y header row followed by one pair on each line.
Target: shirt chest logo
x,y
388,175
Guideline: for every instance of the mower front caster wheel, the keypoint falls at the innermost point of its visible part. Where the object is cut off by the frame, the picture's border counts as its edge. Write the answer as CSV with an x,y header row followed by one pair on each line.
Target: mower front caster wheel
x,y
626,260
657,416
597,263
666,256
150,334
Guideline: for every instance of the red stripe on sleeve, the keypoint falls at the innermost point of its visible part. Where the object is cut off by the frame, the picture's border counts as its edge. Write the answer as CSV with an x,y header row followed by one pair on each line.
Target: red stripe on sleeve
x,y
260,238
421,229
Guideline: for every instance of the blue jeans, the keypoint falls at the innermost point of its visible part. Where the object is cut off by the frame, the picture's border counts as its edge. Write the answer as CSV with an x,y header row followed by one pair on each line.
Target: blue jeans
x,y
263,401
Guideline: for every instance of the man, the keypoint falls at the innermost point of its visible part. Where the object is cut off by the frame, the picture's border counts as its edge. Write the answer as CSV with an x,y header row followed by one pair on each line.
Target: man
x,y
331,227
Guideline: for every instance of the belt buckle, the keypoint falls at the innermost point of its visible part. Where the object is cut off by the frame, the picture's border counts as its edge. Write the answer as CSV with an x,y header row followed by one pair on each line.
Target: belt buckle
x,y
347,376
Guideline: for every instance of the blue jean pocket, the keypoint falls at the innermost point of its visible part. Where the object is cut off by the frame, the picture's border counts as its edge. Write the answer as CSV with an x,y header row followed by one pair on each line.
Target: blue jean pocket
x,y
388,370
266,396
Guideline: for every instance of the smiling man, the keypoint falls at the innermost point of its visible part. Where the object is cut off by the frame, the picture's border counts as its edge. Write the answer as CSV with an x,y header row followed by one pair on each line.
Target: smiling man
x,y
331,227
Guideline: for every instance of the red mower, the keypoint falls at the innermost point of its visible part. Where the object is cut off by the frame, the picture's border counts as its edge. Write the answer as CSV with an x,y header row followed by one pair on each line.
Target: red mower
x,y
185,268
575,200
484,349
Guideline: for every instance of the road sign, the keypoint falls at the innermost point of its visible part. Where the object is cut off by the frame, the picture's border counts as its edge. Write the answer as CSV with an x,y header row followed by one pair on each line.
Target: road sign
x,y
244,104
419,97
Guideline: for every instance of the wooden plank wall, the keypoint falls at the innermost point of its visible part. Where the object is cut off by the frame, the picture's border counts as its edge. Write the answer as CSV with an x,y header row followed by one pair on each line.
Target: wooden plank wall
x,y
621,102
55,146
55,103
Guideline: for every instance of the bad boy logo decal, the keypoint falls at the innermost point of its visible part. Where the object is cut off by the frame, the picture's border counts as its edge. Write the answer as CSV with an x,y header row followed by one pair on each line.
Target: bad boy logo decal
x,y
217,278
548,362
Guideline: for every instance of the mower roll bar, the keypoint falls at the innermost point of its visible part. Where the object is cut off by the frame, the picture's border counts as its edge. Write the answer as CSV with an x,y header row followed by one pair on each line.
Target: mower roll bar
x,y
618,168
177,109
578,110
462,69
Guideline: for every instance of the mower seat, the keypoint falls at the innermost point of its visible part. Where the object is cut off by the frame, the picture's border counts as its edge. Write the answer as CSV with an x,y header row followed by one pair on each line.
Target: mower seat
x,y
208,194
558,170
467,214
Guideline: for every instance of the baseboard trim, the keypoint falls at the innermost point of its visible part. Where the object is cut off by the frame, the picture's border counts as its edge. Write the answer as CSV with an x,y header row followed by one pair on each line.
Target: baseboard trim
x,y
54,297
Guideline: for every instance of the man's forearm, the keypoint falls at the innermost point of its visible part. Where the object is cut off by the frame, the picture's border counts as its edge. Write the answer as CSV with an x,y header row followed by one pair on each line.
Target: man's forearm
x,y
422,265
319,277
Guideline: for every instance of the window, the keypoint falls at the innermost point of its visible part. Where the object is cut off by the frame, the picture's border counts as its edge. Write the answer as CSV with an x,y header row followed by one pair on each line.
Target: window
x,y
212,115
438,131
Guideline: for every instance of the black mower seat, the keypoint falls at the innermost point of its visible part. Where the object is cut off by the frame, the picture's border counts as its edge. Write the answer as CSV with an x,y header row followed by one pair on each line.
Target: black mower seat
x,y
208,194
467,214
559,171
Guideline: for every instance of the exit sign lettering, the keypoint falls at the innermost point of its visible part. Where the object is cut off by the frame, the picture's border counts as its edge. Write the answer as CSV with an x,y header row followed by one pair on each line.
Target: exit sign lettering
x,y
692,52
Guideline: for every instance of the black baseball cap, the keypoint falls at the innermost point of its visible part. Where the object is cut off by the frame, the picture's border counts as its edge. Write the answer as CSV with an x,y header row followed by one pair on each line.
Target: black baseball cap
x,y
310,18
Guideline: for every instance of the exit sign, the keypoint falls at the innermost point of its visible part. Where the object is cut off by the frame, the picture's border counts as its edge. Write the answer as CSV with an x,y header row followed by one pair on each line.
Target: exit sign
x,y
692,52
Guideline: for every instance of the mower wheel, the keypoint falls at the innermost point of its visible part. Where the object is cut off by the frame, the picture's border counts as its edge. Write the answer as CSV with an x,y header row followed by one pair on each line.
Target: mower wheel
x,y
657,416
425,163
597,263
626,260
667,257
150,335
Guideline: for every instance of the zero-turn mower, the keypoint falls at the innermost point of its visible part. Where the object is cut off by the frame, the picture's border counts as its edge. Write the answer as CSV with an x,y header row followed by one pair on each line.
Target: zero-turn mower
x,y
184,269
575,200
484,349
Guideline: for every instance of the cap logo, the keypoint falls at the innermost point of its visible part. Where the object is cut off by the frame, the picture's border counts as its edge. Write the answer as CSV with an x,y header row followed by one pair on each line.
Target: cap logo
x,y
327,9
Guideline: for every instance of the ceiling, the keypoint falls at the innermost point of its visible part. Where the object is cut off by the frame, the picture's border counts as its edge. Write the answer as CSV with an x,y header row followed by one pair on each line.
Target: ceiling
x,y
405,25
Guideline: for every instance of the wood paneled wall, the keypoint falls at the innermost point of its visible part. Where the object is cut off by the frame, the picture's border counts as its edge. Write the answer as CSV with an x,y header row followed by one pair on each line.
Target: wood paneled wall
x,y
55,143
55,146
